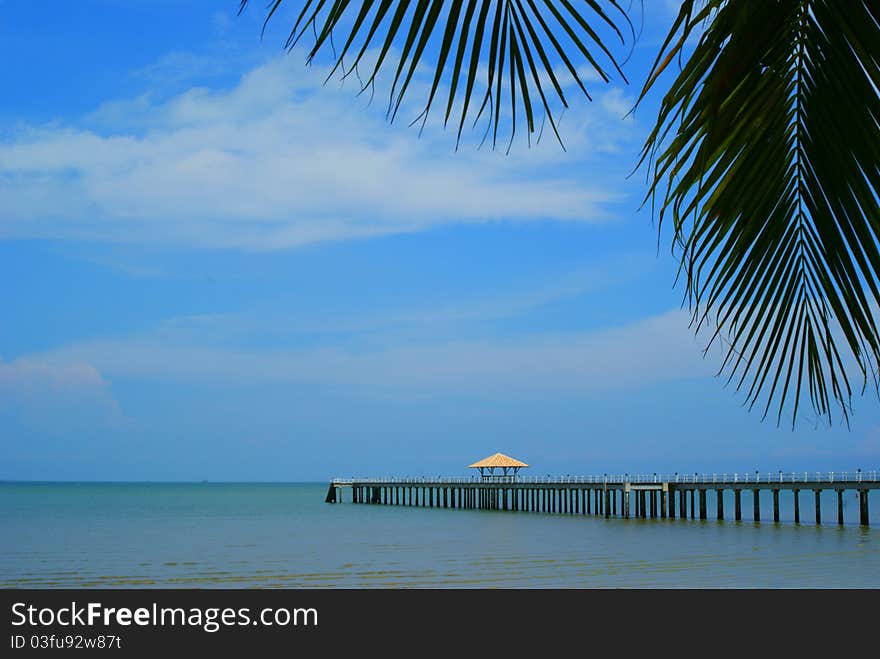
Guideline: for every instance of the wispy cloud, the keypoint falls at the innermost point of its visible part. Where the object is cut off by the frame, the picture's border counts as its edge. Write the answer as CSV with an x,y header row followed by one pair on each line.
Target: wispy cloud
x,y
58,394
652,350
275,162
21,377
435,319
181,66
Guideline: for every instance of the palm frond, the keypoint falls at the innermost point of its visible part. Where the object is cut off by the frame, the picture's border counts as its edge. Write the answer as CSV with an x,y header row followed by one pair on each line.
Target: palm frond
x,y
531,51
765,155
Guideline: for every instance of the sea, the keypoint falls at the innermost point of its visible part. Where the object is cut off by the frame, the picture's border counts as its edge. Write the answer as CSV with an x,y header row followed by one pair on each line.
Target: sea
x,y
283,535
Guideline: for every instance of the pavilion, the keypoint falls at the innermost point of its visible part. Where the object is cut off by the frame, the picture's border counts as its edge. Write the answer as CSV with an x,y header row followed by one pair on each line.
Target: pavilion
x,y
508,465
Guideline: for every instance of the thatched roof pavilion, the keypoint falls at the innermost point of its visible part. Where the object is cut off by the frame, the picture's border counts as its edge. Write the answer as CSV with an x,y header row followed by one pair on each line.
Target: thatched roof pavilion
x,y
508,465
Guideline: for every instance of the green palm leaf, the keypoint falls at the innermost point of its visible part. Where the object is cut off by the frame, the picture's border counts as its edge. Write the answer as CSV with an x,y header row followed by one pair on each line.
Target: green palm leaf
x,y
526,44
765,157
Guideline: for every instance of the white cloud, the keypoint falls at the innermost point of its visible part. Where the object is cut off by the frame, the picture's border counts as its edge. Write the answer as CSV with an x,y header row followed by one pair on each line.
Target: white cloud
x,y
276,162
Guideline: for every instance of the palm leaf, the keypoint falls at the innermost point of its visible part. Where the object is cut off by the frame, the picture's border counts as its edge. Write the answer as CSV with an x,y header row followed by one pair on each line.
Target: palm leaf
x,y
525,44
765,156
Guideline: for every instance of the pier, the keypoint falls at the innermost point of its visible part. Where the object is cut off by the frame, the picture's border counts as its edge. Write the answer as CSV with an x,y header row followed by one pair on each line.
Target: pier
x,y
621,495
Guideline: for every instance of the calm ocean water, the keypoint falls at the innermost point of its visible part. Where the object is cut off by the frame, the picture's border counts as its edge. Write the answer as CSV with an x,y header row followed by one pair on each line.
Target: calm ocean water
x,y
284,535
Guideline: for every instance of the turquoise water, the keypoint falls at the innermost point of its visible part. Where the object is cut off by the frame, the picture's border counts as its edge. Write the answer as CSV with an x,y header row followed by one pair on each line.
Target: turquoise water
x,y
284,535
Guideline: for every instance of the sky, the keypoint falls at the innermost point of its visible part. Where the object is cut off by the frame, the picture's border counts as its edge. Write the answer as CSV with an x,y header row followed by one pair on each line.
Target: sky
x,y
215,266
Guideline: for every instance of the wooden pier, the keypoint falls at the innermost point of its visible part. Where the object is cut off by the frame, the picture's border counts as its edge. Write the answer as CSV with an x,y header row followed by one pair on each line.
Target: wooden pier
x,y
625,496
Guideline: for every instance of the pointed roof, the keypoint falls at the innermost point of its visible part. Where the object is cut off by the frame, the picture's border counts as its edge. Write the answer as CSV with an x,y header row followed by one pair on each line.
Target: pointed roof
x,y
497,460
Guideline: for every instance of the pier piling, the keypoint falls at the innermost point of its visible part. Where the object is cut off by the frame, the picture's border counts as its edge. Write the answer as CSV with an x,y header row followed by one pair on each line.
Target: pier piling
x,y
621,497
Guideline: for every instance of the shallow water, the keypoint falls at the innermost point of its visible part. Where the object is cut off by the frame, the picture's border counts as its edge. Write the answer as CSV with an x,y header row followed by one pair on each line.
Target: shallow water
x,y
284,535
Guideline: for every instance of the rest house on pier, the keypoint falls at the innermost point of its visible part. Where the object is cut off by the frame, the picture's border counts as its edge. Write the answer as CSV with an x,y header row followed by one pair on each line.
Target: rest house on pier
x,y
508,466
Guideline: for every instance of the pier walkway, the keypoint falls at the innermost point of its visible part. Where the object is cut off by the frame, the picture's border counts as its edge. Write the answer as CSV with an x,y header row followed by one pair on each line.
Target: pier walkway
x,y
621,495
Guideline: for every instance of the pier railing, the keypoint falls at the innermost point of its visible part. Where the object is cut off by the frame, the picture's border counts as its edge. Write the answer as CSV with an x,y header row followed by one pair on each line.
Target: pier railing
x,y
829,477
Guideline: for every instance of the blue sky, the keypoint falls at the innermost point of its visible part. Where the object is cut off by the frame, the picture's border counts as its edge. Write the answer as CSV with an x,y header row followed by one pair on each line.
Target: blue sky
x,y
215,267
